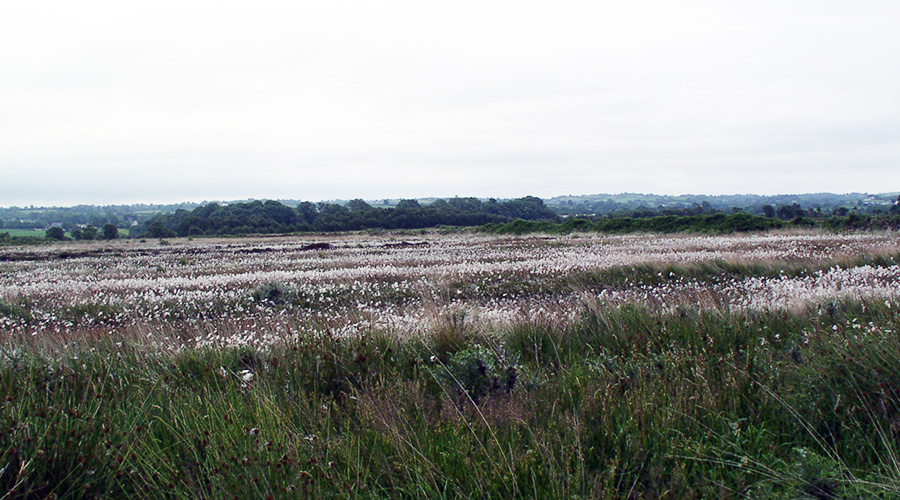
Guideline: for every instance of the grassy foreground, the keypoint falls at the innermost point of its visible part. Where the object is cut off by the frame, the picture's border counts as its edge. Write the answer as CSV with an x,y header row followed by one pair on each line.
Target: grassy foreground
x,y
621,403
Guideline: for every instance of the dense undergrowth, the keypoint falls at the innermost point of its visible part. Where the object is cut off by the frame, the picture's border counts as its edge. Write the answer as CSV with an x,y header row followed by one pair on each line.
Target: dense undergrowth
x,y
711,223
623,402
715,223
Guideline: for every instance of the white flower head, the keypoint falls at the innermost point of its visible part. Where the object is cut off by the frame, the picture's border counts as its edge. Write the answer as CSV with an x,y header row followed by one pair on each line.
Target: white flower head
x,y
246,375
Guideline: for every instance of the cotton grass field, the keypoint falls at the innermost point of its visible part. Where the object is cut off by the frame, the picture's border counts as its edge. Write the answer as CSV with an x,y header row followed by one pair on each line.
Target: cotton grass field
x,y
453,366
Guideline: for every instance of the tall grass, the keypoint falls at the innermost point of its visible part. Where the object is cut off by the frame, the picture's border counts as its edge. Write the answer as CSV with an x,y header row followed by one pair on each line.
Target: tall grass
x,y
623,402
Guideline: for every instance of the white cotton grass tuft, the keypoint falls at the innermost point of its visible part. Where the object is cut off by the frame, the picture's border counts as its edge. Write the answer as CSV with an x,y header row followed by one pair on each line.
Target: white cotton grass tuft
x,y
363,286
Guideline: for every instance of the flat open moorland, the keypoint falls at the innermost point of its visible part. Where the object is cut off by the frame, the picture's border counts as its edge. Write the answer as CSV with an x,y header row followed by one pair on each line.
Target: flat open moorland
x,y
453,366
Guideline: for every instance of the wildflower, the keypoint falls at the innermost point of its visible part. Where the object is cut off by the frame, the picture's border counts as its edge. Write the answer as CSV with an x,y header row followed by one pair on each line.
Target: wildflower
x,y
253,431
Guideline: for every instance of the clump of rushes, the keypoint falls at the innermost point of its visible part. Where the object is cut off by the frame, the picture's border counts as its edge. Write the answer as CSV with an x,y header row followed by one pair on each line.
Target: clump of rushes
x,y
476,373
622,402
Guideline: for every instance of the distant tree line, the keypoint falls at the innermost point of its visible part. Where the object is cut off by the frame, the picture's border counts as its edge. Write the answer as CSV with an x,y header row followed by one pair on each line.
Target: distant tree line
x,y
706,223
77,217
89,232
258,217
717,222
784,207
622,213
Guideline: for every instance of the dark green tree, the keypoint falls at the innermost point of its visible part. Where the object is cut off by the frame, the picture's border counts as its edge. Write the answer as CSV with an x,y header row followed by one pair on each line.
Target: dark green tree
x,y
110,231
157,230
90,233
358,205
465,204
279,213
56,233
408,205
307,212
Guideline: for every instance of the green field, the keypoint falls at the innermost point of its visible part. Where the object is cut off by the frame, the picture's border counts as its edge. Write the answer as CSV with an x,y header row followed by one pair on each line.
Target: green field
x,y
23,232
123,233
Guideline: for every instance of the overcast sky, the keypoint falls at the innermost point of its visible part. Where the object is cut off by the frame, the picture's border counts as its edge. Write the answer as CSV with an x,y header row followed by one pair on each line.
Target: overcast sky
x,y
165,101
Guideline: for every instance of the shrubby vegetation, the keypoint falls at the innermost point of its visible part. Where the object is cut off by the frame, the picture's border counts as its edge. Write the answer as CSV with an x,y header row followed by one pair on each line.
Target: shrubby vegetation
x,y
853,221
719,223
6,239
707,223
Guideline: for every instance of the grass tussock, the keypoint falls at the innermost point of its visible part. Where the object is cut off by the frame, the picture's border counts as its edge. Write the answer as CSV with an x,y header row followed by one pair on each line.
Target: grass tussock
x,y
623,402
656,273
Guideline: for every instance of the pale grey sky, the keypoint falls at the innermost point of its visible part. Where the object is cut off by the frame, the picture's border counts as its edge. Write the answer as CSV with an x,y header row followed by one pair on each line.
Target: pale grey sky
x,y
120,102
